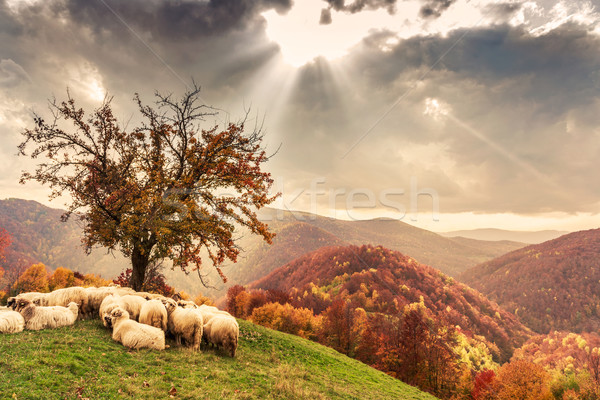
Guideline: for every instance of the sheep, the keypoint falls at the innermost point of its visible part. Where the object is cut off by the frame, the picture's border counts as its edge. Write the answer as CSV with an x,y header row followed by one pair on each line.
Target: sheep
x,y
11,321
223,331
11,303
133,334
154,313
186,324
208,312
95,296
38,317
130,303
186,304
149,296
133,305
62,297
31,296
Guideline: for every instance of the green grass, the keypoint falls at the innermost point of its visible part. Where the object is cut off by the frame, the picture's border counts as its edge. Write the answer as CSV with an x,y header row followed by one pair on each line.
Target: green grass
x,y
82,361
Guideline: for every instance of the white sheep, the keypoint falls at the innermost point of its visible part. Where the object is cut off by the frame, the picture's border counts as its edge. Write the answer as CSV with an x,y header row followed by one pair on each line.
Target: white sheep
x,y
154,313
133,334
31,296
62,297
11,321
223,331
208,312
186,324
95,295
37,317
186,304
130,303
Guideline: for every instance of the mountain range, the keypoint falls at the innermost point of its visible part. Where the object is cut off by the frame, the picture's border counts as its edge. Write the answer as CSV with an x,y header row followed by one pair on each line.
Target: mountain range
x,y
492,234
552,285
39,236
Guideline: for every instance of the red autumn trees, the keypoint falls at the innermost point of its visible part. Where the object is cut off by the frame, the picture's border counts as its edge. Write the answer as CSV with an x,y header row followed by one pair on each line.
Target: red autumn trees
x,y
167,189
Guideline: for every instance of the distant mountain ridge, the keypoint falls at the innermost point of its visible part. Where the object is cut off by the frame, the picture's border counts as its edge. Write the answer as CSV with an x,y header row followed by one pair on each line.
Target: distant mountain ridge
x,y
38,235
550,286
451,256
492,234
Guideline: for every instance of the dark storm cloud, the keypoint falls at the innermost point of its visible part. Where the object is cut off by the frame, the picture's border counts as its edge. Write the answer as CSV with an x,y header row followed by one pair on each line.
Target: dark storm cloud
x,y
556,65
187,19
325,17
435,8
503,11
360,5
136,43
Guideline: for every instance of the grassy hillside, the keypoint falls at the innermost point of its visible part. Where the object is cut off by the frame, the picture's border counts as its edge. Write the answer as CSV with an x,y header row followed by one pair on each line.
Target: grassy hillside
x,y
84,361
554,285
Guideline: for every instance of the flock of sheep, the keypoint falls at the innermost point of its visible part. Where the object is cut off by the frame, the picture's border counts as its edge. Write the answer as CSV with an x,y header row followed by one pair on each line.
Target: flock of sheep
x,y
137,319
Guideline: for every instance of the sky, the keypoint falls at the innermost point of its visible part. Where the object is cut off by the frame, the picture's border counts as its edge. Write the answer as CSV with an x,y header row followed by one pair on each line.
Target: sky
x,y
446,114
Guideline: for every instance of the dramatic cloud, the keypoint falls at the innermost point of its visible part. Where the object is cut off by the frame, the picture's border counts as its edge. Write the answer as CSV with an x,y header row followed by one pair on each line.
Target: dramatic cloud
x,y
12,74
325,17
520,109
359,5
499,118
435,8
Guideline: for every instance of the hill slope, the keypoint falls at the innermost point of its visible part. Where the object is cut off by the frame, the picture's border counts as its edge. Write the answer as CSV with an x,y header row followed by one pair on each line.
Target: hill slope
x,y
83,361
299,233
38,235
530,237
447,255
553,285
382,280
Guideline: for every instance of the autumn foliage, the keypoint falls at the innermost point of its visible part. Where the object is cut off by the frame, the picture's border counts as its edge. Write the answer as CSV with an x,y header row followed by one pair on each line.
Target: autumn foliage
x,y
380,280
550,286
34,279
154,192
154,282
387,310
37,278
521,380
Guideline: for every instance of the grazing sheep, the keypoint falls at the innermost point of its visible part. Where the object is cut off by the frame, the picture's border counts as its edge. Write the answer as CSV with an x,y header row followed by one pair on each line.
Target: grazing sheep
x,y
123,291
186,304
62,297
130,303
149,296
133,334
37,317
154,313
95,296
186,324
208,312
223,331
133,305
11,321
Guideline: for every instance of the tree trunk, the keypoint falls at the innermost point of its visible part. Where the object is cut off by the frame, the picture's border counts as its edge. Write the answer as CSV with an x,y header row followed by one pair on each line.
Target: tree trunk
x,y
139,263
